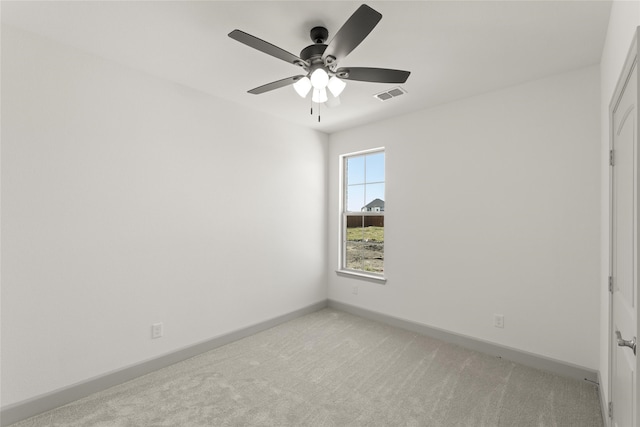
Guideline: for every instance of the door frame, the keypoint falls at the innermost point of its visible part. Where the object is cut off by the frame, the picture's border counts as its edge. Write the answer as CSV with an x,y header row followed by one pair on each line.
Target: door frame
x,y
631,61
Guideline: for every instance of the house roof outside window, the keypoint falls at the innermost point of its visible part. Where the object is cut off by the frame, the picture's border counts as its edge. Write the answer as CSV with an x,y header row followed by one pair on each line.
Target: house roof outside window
x,y
375,203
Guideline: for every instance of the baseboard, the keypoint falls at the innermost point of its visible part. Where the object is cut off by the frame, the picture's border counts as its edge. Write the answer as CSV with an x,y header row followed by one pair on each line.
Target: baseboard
x,y
525,358
37,405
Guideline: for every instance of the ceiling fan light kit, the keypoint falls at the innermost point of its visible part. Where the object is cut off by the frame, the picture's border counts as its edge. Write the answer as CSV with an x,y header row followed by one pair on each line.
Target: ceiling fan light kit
x,y
336,86
319,96
319,78
320,61
303,86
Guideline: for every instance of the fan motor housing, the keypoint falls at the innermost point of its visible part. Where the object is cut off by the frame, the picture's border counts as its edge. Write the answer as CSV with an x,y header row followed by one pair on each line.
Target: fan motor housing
x,y
313,52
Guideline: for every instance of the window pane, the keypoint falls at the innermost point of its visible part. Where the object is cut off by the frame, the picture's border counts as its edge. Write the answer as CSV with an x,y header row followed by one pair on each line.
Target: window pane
x,y
373,245
354,237
374,197
354,256
355,198
355,170
374,167
364,247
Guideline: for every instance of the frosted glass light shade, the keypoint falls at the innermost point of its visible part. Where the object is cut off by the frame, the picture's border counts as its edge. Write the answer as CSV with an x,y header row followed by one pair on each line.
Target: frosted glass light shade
x,y
336,86
333,101
319,96
319,79
302,86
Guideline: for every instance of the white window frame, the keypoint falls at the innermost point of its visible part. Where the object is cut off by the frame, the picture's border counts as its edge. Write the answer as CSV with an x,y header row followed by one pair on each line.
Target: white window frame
x,y
342,231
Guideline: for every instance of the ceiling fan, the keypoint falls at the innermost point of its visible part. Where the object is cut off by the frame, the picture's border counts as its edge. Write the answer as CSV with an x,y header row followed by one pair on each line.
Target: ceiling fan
x,y
320,61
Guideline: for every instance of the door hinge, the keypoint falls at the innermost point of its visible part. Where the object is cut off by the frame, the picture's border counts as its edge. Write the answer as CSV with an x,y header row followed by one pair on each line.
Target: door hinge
x,y
610,409
611,158
611,284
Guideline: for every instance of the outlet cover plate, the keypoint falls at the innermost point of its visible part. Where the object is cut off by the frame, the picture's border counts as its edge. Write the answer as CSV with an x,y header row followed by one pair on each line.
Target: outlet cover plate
x,y
498,320
156,330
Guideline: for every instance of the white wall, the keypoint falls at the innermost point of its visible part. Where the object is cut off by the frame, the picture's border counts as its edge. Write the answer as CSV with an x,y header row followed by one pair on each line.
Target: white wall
x,y
624,18
129,200
493,206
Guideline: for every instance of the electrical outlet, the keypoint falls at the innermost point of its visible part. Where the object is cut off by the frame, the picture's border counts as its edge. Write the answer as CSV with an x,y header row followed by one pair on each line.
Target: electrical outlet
x,y
156,330
354,290
498,320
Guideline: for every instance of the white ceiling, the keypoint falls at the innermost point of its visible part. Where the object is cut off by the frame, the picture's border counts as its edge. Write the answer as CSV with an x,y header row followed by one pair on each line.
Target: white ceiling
x,y
454,49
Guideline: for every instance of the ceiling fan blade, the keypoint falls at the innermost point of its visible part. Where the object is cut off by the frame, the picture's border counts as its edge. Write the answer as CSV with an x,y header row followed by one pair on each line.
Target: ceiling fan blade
x,y
376,75
357,27
275,85
264,46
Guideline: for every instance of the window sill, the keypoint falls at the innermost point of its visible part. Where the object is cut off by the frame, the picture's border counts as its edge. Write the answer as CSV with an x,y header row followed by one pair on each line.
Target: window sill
x,y
363,276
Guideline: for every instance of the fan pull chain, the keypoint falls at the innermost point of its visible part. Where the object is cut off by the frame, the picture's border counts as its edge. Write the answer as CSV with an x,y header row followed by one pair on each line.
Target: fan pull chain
x,y
318,110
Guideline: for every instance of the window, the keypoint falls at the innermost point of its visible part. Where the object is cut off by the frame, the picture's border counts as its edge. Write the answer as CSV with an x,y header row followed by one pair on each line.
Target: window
x,y
363,206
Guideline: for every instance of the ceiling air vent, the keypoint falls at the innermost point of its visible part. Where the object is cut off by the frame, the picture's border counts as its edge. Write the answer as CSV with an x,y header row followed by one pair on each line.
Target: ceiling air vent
x,y
393,93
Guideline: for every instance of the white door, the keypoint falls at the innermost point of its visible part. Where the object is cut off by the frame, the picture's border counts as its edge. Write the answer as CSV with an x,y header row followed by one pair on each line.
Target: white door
x,y
624,245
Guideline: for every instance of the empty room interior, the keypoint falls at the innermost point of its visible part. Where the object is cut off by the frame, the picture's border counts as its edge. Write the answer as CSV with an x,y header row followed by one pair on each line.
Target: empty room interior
x,y
184,243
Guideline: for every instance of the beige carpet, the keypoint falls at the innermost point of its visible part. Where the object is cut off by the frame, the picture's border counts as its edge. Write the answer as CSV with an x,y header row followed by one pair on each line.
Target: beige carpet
x,y
330,368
